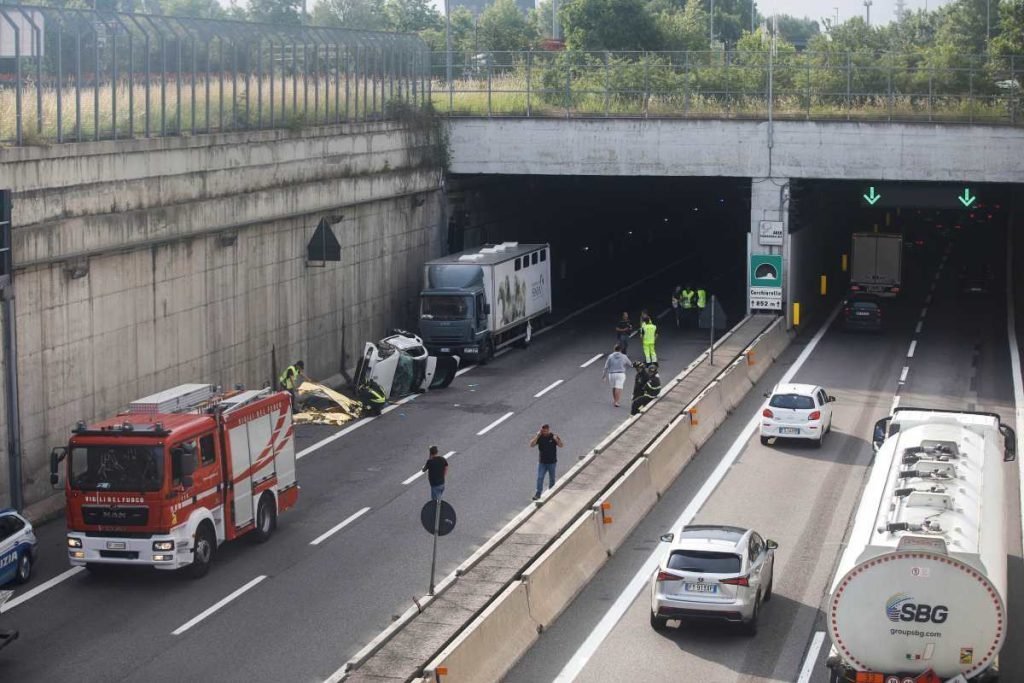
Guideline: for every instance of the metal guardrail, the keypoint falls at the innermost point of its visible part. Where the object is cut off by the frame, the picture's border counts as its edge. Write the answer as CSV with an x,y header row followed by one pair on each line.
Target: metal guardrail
x,y
862,86
77,74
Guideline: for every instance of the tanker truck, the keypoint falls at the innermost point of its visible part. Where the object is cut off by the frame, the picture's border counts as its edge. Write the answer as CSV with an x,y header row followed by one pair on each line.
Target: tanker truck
x,y
920,591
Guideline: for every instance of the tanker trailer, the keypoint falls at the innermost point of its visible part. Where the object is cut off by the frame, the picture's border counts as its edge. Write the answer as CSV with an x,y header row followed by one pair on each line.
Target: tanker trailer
x,y
920,591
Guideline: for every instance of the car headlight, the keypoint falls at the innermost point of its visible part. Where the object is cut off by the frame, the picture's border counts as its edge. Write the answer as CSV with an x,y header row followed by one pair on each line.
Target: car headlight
x,y
163,545
74,542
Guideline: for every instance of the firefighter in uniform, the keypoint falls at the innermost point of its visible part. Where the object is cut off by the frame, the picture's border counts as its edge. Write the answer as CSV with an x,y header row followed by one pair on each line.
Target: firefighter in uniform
x,y
290,380
372,396
648,334
646,386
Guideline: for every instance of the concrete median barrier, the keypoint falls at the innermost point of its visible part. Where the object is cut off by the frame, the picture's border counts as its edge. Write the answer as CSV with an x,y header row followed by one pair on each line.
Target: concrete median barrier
x,y
734,384
491,644
629,499
706,413
670,453
561,572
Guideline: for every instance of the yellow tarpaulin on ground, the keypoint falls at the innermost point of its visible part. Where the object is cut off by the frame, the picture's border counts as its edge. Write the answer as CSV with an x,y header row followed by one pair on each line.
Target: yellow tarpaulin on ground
x,y
339,407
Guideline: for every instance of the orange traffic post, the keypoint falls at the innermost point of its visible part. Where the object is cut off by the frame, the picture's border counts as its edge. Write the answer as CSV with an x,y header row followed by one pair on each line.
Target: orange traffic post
x,y
844,262
796,314
824,285
693,416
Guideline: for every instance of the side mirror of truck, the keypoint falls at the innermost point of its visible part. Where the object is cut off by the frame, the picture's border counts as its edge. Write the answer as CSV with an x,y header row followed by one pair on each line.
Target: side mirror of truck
x,y
1009,443
57,455
879,434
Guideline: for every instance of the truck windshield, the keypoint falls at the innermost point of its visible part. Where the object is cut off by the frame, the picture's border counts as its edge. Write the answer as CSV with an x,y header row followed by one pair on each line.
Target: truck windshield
x,y
117,468
445,308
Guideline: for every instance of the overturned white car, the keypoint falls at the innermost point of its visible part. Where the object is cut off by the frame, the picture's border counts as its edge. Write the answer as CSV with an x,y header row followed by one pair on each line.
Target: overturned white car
x,y
400,365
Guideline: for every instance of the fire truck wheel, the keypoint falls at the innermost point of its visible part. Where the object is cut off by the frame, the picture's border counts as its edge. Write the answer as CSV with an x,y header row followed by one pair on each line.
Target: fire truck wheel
x,y
202,551
266,518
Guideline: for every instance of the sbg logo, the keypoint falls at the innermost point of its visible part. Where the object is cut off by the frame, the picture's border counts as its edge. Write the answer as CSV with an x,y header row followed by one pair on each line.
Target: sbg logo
x,y
901,607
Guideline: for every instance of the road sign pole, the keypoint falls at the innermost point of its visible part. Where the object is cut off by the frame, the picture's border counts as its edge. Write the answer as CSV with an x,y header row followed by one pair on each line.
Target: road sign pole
x,y
712,352
433,556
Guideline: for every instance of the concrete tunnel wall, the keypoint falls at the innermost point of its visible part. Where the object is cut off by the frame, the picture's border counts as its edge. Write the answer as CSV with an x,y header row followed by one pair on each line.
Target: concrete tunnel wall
x,y
148,263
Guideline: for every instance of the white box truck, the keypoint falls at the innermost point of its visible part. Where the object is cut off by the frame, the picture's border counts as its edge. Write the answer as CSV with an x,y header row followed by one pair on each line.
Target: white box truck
x,y
477,301
876,263
920,591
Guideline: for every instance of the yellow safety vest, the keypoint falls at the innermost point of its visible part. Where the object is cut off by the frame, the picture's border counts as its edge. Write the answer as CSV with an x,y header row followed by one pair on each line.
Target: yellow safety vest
x,y
702,298
289,376
686,298
647,332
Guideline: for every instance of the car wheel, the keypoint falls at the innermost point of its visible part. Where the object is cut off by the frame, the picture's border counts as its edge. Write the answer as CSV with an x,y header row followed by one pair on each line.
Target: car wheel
x,y
750,627
817,442
828,430
266,518
202,551
658,623
764,440
488,352
24,568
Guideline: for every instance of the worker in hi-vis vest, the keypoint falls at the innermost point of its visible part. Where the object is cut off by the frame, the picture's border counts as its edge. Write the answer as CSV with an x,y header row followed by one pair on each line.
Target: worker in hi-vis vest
x,y
290,380
688,302
702,302
648,333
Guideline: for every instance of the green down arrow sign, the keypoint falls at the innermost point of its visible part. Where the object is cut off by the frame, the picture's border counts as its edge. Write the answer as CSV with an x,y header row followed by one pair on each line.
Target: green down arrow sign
x,y
871,197
967,199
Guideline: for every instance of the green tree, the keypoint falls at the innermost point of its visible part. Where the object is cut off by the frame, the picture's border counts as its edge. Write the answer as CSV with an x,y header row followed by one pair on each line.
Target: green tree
x,y
797,31
411,16
1010,40
463,33
732,18
276,11
684,29
504,28
205,9
540,18
608,25
364,14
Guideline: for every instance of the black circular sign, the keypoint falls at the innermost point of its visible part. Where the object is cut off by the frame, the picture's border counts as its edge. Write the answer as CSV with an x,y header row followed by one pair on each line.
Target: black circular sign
x,y
428,517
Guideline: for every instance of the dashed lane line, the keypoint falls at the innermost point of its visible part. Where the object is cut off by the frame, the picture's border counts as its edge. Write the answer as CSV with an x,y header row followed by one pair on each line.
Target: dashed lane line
x,y
920,324
913,347
447,456
495,423
210,610
548,388
592,360
904,373
338,527
812,657
45,586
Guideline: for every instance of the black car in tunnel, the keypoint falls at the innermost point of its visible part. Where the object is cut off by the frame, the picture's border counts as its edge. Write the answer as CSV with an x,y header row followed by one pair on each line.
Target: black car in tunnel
x,y
862,312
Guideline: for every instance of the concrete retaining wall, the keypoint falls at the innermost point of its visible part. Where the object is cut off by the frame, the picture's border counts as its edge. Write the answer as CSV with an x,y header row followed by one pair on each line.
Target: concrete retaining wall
x,y
670,453
628,501
144,264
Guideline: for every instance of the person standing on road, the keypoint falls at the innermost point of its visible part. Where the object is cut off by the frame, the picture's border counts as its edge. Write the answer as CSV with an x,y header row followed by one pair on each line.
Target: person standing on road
x,y
622,331
436,469
547,443
289,380
648,334
675,305
615,372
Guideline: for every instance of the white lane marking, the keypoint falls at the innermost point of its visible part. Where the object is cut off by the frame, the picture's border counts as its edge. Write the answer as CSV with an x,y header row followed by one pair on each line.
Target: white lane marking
x,y
595,358
548,388
903,373
447,456
640,580
464,370
29,594
928,300
397,403
210,610
913,347
934,284
895,404
338,527
495,423
924,312
333,437
917,330
812,657
1015,369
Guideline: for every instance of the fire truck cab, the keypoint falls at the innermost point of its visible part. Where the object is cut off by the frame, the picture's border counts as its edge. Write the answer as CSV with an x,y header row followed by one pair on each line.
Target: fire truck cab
x,y
179,473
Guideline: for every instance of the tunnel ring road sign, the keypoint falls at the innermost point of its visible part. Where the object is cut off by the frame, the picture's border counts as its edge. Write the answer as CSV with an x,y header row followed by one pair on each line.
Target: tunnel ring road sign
x,y
765,281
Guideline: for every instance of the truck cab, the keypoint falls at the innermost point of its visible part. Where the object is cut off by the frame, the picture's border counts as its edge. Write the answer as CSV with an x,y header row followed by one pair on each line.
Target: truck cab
x,y
455,320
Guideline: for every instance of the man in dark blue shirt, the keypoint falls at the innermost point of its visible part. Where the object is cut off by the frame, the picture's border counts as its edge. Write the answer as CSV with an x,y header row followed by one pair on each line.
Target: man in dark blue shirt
x,y
547,443
436,469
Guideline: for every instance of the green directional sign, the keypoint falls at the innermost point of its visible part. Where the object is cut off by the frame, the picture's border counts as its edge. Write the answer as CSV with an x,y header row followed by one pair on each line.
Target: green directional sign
x,y
766,281
966,199
871,197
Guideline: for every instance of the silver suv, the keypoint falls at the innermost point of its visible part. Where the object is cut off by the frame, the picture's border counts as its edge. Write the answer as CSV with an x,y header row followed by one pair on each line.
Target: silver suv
x,y
713,572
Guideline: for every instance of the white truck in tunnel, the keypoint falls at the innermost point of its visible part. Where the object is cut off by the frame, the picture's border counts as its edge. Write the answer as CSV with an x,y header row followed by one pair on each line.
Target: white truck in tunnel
x,y
876,263
476,301
921,586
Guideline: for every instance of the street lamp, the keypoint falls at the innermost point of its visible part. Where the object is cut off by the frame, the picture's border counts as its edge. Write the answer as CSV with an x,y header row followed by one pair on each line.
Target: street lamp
x,y
867,7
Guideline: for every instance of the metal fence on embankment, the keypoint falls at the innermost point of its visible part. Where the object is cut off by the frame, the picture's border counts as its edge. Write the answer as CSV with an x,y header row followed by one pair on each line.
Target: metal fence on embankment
x,y
863,86
76,74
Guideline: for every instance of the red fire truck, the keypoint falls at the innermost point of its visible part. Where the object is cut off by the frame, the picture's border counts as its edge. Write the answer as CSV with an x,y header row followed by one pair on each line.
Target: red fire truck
x,y
179,473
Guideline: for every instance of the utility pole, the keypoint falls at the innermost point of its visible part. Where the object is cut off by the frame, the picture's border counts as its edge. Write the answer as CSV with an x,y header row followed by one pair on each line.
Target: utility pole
x,y
901,9
711,23
867,8
447,46
554,19
988,22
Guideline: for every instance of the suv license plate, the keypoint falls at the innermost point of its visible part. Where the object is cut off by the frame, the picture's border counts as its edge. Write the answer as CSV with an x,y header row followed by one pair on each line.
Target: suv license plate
x,y
702,588
445,349
789,430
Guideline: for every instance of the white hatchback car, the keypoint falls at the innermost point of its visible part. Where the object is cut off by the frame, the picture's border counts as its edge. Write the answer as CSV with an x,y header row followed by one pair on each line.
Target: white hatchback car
x,y
797,411
713,572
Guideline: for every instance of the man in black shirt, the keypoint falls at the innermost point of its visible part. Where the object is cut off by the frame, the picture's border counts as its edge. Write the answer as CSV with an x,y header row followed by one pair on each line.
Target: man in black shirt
x,y
547,444
436,469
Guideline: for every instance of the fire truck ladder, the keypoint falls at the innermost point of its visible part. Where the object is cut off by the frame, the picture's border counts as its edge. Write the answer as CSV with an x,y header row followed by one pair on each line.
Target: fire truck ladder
x,y
243,398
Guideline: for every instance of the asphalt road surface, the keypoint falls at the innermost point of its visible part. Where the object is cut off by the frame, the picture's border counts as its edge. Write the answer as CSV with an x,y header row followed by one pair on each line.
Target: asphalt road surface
x,y
352,553
939,349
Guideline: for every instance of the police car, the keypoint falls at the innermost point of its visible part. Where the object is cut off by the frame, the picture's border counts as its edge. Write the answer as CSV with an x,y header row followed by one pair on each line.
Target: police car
x,y
17,547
